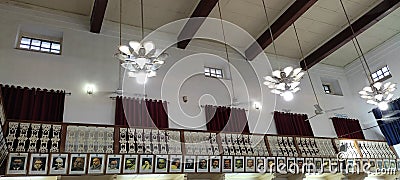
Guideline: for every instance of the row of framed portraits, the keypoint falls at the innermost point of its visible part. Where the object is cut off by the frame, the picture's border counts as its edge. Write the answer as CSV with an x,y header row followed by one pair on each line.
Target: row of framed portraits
x,y
79,164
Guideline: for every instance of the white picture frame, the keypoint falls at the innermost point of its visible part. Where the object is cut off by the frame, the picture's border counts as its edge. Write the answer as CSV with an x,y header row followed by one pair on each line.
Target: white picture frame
x,y
38,164
96,164
175,165
239,164
130,165
215,164
190,164
17,163
227,164
250,165
58,164
78,164
114,164
261,165
146,164
161,164
202,163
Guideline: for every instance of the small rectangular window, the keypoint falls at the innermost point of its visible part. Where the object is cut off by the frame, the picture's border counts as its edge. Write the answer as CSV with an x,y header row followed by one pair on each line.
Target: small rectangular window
x,y
39,45
213,72
327,89
381,74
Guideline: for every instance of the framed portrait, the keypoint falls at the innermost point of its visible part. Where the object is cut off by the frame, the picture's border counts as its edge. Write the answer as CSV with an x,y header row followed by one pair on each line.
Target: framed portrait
x,y
38,164
379,164
189,164
215,164
364,165
161,164
300,164
318,165
260,165
238,164
58,164
350,165
291,165
271,164
202,163
114,162
17,163
309,165
334,165
227,164
250,164
372,165
393,164
130,164
146,164
78,164
386,164
326,163
96,164
175,163
398,164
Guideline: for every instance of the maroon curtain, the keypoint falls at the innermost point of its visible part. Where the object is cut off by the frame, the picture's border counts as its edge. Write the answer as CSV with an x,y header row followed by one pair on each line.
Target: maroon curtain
x,y
226,119
292,124
135,112
347,128
33,104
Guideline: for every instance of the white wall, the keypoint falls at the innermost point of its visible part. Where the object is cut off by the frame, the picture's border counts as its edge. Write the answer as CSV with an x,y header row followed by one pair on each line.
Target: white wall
x,y
88,58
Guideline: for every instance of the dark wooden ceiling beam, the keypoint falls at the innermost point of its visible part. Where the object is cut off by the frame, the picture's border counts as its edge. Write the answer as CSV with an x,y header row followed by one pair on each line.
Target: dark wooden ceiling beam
x,y
298,8
96,19
203,9
360,25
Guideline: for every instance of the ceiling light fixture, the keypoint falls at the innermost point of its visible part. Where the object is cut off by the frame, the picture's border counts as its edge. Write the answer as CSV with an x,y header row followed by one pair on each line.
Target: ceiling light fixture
x,y
140,59
376,93
282,82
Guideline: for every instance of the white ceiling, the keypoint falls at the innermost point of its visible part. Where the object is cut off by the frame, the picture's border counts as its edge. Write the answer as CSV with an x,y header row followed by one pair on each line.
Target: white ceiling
x,y
321,22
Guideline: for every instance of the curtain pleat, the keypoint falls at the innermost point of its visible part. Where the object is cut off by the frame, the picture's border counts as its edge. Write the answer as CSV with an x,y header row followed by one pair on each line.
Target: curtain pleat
x,y
226,119
292,124
135,112
347,128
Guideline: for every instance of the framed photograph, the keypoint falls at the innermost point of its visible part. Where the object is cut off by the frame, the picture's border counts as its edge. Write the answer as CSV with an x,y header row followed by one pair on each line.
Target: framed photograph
x,y
175,163
393,164
272,164
96,164
309,165
318,165
38,164
350,165
202,163
364,165
398,164
189,164
386,164
78,164
238,164
114,162
130,164
250,165
161,164
59,164
372,164
379,164
215,164
300,164
227,164
146,164
260,165
291,165
326,163
17,163
334,165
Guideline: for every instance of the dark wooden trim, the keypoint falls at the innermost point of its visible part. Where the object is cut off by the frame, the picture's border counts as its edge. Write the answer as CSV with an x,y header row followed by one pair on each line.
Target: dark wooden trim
x,y
360,25
298,8
63,134
116,140
96,19
203,9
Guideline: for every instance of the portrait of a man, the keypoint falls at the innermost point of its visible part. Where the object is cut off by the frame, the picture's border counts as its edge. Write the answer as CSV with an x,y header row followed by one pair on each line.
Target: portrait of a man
x,y
203,164
38,164
113,163
95,163
78,164
17,163
130,164
58,163
161,163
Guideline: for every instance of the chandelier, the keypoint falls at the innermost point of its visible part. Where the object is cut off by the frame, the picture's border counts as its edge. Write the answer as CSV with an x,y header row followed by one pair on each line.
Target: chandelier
x,y
140,59
376,93
285,83
282,82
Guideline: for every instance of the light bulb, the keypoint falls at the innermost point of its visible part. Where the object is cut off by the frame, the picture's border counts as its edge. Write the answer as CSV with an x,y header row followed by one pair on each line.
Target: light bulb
x,y
383,105
141,78
287,96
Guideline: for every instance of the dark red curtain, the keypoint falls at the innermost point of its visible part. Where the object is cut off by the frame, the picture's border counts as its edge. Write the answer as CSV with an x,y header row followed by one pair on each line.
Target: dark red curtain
x,y
226,119
292,124
135,112
33,104
347,128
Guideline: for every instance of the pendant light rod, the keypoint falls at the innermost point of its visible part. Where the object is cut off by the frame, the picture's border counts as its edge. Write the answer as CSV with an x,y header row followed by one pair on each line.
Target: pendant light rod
x,y
358,47
120,22
270,32
226,50
305,63
142,14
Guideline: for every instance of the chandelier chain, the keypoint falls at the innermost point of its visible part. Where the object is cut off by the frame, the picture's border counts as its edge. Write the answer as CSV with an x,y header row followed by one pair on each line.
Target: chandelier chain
x,y
142,19
120,22
358,47
305,63
270,32
226,50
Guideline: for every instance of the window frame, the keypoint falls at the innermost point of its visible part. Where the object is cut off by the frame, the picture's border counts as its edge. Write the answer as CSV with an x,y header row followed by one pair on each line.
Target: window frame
x,y
329,87
41,39
381,77
213,74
